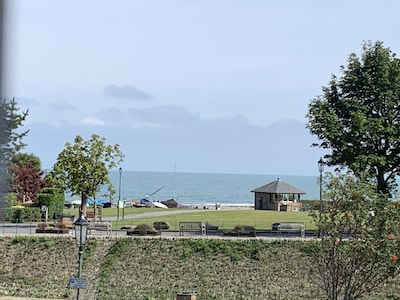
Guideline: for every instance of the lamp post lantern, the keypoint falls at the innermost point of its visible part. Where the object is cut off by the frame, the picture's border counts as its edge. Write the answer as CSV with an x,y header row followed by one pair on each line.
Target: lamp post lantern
x,y
119,191
81,227
321,164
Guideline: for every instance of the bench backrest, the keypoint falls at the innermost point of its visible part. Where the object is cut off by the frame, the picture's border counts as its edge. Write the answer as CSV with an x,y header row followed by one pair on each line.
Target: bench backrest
x,y
288,226
191,225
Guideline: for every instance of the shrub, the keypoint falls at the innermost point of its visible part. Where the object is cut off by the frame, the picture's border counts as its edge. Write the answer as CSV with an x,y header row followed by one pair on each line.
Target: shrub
x,y
44,225
145,228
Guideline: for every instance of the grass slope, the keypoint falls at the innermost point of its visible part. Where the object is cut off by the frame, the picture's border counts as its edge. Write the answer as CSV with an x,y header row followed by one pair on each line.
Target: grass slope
x,y
144,268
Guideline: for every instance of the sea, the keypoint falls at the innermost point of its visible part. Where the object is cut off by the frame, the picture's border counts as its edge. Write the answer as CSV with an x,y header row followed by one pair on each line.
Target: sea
x,y
199,189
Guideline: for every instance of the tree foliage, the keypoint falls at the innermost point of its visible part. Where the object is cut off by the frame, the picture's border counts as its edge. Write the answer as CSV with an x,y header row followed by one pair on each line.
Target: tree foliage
x,y
26,178
10,143
53,199
360,238
83,166
358,116
11,139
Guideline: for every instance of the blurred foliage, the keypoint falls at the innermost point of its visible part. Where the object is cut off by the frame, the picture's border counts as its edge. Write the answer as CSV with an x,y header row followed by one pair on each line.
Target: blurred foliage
x,y
360,238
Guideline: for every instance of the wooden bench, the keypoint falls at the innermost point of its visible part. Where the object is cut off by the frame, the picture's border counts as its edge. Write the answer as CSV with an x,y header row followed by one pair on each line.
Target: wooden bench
x,y
289,227
90,215
193,227
100,225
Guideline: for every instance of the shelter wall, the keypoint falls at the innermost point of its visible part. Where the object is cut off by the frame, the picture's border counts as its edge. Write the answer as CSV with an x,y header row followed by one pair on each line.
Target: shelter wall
x,y
264,201
277,202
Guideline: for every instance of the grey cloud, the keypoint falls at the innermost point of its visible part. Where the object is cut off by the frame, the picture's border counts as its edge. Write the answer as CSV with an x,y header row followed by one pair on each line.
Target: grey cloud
x,y
206,146
126,92
163,115
62,105
26,101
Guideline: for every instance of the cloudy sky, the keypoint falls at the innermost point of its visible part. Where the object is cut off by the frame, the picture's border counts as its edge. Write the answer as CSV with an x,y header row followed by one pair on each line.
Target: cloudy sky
x,y
186,85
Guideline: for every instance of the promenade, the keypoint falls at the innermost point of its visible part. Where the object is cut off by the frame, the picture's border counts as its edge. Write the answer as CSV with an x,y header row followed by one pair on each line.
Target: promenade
x,y
29,228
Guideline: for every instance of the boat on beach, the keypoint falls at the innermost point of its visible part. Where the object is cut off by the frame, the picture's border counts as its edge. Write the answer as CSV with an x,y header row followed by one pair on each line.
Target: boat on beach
x,y
171,203
152,204
149,203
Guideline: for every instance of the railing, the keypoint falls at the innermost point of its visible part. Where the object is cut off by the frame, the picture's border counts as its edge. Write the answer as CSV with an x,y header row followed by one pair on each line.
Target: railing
x,y
181,228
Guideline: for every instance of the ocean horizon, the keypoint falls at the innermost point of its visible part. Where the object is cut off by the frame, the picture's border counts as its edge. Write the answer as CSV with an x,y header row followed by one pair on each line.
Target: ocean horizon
x,y
199,189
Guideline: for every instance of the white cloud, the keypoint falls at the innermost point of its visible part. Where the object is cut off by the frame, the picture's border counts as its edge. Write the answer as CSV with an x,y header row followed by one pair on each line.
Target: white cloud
x,y
89,121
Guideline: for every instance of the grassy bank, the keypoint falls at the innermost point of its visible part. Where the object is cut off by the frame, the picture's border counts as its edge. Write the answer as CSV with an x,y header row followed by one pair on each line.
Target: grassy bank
x,y
141,268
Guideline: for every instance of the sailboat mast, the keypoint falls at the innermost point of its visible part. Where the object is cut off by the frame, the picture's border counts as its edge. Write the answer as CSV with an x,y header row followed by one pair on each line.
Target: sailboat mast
x,y
175,177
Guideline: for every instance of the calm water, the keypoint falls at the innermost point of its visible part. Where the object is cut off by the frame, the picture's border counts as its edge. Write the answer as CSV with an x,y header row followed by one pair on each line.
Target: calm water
x,y
201,188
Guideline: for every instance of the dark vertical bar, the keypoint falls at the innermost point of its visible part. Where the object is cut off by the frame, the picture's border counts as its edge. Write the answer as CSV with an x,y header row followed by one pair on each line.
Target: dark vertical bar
x,y
3,173
2,29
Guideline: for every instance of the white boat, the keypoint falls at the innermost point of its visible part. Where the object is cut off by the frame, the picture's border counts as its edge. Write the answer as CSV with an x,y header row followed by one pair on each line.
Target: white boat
x,y
159,205
150,203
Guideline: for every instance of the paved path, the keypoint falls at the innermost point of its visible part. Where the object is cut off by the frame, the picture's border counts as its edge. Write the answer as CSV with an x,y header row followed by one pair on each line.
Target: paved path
x,y
29,228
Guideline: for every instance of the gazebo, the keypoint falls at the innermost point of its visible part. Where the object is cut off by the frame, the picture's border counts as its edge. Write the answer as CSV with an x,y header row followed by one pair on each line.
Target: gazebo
x,y
277,195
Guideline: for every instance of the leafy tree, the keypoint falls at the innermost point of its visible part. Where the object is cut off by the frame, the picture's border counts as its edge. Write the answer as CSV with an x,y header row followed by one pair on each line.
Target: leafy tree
x,y
82,167
358,116
26,159
360,238
26,176
10,142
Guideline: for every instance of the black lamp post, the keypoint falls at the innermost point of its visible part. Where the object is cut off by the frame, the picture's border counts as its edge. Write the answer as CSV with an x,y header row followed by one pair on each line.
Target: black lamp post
x,y
81,227
119,191
321,164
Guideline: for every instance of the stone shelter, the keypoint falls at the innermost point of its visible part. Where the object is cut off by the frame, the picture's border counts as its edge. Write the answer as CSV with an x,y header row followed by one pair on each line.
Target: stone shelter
x,y
277,195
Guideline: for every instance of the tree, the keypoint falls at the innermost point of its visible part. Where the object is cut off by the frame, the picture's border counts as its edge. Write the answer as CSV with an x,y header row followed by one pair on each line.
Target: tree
x,y
82,167
26,176
358,116
360,238
11,141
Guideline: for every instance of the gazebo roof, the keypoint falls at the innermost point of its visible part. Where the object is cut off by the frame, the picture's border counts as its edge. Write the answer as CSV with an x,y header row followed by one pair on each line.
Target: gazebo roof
x,y
277,187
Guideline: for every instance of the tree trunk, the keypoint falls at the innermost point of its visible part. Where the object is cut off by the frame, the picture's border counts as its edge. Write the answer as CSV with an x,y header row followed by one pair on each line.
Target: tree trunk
x,y
83,204
382,184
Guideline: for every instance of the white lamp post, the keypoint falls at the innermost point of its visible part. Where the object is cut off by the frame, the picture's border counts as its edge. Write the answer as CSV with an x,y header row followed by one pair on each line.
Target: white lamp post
x,y
123,202
119,191
81,228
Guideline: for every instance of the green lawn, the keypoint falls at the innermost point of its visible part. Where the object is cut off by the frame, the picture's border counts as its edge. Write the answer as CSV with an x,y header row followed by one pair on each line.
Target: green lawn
x,y
227,219
224,219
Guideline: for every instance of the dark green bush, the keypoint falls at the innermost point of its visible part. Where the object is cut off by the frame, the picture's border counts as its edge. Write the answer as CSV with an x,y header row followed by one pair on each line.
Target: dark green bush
x,y
53,199
22,215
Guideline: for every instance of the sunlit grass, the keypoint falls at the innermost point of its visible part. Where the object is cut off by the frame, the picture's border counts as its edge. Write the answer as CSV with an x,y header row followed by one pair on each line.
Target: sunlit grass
x,y
224,219
227,219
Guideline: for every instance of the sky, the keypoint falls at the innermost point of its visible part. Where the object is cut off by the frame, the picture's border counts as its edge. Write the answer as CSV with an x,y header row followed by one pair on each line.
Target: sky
x,y
185,85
